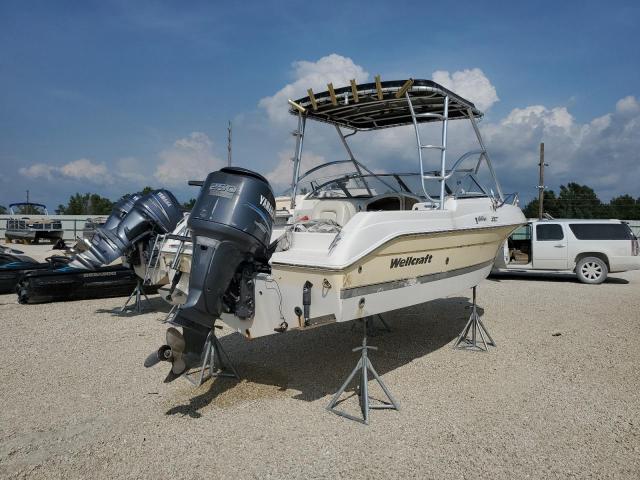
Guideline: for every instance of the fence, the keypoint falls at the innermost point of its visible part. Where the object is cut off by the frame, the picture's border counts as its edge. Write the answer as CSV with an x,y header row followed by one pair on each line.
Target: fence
x,y
72,225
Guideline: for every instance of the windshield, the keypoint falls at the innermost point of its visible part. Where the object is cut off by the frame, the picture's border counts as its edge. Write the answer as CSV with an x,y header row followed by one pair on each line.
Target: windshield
x,y
28,209
326,182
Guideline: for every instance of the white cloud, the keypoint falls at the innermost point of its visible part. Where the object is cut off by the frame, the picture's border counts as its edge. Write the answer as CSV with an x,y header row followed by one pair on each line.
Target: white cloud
x,y
190,158
593,152
85,169
601,153
82,169
332,68
38,170
628,105
470,84
280,177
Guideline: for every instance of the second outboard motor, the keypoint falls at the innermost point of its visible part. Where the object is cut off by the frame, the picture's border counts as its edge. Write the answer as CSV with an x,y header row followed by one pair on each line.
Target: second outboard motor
x,y
130,222
120,210
231,225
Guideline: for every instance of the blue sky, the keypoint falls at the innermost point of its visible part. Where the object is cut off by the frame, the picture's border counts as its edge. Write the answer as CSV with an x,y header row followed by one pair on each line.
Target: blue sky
x,y
110,96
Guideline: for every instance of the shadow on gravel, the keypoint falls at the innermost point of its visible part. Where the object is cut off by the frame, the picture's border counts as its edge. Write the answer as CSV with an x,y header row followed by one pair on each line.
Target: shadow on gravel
x,y
548,277
155,304
317,361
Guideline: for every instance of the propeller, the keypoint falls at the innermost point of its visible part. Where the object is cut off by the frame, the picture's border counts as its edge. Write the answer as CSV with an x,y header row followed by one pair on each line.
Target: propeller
x,y
172,352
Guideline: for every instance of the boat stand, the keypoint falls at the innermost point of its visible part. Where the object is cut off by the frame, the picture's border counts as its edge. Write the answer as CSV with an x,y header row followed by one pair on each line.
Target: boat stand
x,y
363,367
213,362
172,313
137,294
475,327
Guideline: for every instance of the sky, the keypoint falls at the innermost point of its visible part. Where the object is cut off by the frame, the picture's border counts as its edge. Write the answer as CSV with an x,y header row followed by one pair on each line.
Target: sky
x,y
110,96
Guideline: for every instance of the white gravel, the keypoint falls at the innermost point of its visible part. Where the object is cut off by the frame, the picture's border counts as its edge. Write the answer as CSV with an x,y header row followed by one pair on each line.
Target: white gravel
x,y
77,402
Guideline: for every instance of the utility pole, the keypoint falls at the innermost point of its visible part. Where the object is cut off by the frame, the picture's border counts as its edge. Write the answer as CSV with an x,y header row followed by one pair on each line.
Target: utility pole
x,y
229,144
541,166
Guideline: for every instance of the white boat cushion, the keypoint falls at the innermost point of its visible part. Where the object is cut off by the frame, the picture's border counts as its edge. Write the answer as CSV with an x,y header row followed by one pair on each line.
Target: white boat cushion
x,y
340,211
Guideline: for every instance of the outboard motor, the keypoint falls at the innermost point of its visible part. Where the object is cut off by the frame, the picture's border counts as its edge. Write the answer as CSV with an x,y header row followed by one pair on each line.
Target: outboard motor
x,y
231,225
120,210
133,218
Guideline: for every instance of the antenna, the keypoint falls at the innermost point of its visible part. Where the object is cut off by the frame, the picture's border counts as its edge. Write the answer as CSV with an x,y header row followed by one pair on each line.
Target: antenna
x,y
229,144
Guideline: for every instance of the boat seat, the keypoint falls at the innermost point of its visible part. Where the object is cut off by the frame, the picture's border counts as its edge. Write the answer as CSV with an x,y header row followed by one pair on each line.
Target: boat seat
x,y
340,211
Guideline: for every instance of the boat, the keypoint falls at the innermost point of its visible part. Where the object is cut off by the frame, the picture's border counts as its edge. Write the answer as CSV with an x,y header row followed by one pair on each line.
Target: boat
x,y
53,280
13,264
30,222
112,262
360,243
56,283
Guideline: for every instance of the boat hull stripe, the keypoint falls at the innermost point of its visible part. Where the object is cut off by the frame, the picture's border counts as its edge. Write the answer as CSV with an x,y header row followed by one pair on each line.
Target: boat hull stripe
x,y
432,277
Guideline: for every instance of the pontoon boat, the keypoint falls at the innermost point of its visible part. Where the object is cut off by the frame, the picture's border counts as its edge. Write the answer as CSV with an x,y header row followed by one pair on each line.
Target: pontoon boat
x,y
30,222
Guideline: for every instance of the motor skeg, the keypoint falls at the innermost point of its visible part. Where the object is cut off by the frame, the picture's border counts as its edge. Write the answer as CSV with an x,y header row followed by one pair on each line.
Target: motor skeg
x,y
231,225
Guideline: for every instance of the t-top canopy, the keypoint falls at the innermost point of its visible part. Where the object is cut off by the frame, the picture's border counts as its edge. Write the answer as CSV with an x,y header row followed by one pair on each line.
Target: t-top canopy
x,y
371,106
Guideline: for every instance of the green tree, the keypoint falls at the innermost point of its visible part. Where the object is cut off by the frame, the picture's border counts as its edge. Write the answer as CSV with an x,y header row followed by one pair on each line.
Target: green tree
x,y
86,204
3,209
579,201
147,189
550,204
624,207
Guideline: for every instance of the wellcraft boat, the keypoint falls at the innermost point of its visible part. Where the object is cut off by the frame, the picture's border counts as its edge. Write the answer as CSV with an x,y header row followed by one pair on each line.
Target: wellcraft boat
x,y
360,243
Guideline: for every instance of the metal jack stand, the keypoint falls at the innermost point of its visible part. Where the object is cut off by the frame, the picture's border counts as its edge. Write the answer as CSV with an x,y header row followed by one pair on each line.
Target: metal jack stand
x,y
172,313
476,326
213,361
137,293
364,366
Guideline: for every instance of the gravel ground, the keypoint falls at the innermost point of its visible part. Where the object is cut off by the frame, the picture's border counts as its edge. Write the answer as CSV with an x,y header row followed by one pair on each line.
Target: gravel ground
x,y
559,397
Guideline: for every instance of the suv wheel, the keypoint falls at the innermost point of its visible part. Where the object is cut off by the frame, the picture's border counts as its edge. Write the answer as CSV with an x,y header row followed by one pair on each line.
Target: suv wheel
x,y
592,270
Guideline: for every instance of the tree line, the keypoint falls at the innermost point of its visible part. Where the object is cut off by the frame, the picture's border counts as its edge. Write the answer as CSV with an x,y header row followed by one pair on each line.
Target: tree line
x,y
580,201
573,201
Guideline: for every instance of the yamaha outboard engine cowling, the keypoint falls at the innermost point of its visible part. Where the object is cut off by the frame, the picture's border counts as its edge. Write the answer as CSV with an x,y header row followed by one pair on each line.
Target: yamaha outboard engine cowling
x,y
130,222
120,210
231,225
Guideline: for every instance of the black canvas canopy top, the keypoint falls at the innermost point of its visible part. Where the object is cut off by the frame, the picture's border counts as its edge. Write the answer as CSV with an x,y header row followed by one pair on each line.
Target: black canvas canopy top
x,y
371,106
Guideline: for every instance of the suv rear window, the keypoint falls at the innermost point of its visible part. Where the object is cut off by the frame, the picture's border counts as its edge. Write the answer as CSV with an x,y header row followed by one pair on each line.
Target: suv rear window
x,y
549,232
600,231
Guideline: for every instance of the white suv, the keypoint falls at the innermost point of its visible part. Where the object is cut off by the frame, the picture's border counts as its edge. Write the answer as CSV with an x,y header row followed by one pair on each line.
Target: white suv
x,y
590,248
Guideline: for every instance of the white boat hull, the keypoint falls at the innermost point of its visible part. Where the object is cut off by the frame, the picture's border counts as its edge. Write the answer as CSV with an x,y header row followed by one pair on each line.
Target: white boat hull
x,y
400,270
